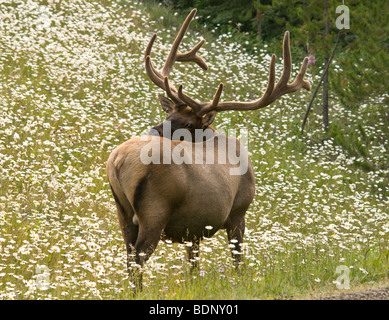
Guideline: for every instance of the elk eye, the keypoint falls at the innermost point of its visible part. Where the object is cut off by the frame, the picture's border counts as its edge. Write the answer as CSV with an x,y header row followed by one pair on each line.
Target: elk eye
x,y
189,125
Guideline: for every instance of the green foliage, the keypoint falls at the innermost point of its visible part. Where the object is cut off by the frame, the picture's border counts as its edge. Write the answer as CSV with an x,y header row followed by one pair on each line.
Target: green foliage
x,y
363,75
219,13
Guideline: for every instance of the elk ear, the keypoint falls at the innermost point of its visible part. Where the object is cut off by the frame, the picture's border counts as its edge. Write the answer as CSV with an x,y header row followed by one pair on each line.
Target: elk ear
x,y
208,119
166,104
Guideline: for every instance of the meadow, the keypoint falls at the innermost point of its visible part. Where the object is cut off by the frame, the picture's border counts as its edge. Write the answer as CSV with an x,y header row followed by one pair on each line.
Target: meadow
x,y
73,87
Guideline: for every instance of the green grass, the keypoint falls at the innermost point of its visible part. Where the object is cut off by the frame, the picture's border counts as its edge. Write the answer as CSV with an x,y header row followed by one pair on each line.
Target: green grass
x,y
73,89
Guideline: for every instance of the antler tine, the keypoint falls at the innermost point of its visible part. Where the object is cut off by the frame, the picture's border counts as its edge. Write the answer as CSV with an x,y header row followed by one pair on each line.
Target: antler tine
x,y
192,56
172,95
299,81
287,62
150,46
160,77
172,57
153,74
216,97
194,104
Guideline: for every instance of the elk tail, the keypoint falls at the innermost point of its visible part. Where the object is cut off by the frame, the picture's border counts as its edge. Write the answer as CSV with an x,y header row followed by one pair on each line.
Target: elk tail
x,y
122,203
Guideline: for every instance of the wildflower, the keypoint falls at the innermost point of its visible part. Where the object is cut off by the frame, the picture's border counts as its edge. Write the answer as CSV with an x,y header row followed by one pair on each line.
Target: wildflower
x,y
363,271
11,296
55,249
311,59
100,268
34,236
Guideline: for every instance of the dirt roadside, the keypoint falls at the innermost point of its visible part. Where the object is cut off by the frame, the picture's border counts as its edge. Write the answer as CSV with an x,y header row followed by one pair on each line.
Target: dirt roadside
x,y
367,291
370,294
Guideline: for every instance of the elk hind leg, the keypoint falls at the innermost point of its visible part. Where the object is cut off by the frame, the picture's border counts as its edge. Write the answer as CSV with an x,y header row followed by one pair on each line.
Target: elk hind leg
x,y
151,227
235,226
193,254
129,229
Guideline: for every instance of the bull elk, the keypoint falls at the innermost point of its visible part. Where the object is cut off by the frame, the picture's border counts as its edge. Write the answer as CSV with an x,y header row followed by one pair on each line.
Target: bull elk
x,y
187,201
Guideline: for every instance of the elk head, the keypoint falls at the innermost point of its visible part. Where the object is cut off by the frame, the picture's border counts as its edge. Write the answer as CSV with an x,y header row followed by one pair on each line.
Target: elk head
x,y
184,112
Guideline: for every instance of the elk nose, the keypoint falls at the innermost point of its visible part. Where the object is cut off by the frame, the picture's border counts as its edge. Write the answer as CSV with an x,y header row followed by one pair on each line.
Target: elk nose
x,y
156,131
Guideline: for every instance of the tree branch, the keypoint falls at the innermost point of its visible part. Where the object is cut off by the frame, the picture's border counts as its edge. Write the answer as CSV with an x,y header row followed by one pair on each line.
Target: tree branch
x,y
320,81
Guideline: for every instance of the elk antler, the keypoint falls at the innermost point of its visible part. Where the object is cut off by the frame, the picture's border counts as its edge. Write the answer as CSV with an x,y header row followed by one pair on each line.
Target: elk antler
x,y
271,94
160,78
